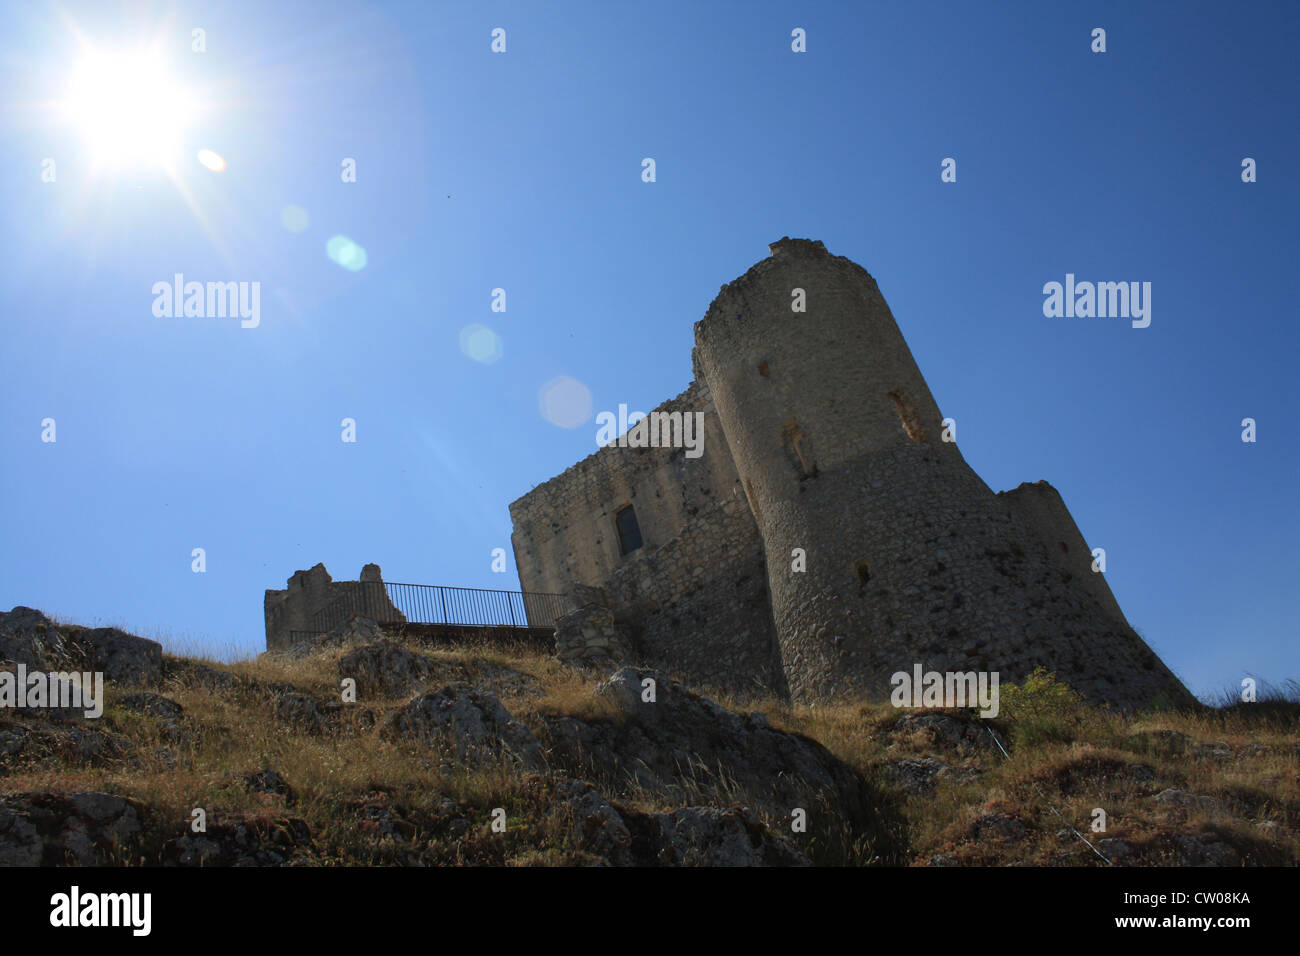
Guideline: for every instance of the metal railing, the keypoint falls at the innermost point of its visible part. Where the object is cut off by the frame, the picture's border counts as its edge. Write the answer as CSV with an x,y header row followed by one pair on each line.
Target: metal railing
x,y
390,603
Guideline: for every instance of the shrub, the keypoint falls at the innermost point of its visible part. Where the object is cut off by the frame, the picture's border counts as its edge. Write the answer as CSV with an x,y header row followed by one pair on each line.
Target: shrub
x,y
1043,710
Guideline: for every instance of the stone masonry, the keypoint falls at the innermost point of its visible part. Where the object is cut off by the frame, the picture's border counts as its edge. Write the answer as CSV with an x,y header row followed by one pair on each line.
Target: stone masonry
x,y
828,536
291,614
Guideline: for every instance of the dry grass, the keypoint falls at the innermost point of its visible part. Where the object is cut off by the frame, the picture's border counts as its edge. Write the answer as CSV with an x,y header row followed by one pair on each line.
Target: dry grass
x,y
351,784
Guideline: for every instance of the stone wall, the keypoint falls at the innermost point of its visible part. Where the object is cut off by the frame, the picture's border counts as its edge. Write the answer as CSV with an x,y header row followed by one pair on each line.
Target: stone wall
x,y
309,592
694,595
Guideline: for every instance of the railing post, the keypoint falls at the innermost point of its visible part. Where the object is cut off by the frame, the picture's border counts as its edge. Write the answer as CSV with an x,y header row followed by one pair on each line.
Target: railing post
x,y
443,593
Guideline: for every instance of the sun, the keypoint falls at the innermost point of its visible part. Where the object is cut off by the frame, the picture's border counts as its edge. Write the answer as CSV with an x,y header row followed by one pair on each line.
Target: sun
x,y
128,109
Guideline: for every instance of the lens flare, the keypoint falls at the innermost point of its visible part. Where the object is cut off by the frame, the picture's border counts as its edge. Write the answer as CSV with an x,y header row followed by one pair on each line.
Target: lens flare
x,y
480,343
346,253
565,402
212,161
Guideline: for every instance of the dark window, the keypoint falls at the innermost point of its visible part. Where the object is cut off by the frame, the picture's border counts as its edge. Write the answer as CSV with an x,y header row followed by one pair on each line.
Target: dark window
x,y
629,532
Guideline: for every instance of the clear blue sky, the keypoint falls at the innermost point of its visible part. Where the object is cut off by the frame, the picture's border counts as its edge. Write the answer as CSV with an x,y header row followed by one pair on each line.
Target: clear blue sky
x,y
522,171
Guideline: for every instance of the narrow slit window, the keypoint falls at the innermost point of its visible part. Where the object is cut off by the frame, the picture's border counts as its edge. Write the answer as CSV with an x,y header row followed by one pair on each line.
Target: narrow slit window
x,y
864,571
629,532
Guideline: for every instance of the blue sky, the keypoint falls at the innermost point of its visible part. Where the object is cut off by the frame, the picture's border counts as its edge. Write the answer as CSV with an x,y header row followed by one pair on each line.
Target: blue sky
x,y
522,171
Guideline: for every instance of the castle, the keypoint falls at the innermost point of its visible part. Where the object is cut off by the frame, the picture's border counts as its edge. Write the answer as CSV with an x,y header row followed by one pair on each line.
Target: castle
x,y
828,536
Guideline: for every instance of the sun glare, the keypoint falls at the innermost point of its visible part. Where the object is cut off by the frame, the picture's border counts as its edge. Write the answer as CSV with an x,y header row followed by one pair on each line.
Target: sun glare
x,y
128,110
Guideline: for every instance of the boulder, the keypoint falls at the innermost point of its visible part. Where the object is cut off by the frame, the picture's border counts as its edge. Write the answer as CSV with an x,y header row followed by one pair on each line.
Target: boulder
x,y
245,839
28,637
85,829
921,774
686,747
123,658
998,827
385,669
152,705
689,836
467,722
707,836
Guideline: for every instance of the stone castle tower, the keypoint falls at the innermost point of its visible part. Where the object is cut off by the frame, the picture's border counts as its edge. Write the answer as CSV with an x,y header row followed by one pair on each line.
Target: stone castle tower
x,y
828,476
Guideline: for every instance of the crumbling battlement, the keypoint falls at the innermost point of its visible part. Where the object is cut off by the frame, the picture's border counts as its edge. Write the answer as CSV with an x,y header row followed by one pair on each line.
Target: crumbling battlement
x,y
290,614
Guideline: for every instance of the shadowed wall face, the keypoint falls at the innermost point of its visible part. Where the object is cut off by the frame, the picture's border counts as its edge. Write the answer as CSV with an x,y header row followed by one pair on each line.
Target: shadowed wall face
x,y
694,594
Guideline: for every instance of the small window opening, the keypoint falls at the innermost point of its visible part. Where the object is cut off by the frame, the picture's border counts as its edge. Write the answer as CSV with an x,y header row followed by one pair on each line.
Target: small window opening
x,y
629,532
864,571
762,369
907,415
1064,548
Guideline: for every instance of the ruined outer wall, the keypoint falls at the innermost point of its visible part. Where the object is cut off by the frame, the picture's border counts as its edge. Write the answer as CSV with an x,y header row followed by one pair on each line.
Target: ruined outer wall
x,y
695,593
910,557
308,592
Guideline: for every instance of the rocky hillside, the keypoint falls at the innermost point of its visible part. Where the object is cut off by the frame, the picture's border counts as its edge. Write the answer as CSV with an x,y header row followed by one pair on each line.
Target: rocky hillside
x,y
366,749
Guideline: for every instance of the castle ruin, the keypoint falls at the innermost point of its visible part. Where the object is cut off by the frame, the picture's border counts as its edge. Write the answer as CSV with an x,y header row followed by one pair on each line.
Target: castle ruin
x,y
828,536
294,613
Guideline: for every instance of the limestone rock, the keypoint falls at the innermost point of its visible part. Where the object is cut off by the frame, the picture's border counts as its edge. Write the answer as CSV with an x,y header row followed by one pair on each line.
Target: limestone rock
x,y
468,722
355,630
596,826
28,637
189,673
1182,798
944,730
921,774
1115,850
684,746
384,669
124,658
997,826
153,705
55,743
244,840
1205,851
85,829
307,712
689,836
707,836
271,782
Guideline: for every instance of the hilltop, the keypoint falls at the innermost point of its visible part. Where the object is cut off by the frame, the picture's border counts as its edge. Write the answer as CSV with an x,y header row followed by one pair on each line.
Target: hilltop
x,y
443,742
